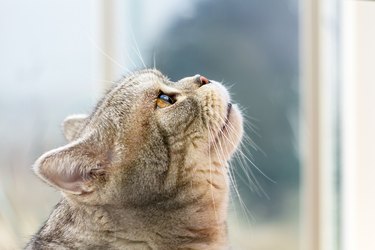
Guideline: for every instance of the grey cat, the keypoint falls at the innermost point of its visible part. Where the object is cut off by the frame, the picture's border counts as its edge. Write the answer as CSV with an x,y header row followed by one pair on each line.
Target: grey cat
x,y
146,170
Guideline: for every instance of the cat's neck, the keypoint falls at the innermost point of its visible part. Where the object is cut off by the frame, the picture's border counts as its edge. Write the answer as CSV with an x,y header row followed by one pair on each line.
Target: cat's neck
x,y
150,227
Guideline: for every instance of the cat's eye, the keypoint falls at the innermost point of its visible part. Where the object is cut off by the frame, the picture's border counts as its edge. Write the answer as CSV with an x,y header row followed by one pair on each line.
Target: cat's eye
x,y
164,100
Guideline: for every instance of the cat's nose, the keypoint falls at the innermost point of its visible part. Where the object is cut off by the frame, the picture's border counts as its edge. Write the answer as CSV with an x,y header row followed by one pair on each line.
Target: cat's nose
x,y
202,80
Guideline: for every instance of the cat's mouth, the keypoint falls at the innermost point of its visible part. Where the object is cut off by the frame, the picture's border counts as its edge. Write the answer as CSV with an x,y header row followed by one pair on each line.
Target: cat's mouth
x,y
226,121
224,128
228,137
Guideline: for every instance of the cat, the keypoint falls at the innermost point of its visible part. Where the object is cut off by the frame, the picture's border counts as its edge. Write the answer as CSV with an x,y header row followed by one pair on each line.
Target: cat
x,y
146,170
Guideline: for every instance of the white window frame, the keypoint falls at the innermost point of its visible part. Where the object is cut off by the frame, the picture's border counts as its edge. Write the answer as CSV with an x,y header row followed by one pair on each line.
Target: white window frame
x,y
319,121
359,124
356,48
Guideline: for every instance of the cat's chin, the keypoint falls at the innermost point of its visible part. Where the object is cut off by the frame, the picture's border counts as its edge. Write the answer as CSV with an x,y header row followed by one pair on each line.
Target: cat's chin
x,y
229,138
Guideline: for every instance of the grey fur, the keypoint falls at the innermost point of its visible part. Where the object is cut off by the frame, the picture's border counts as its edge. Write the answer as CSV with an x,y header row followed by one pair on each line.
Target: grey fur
x,y
134,176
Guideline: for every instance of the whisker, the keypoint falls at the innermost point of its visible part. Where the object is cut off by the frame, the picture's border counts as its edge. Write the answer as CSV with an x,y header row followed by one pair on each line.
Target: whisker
x,y
138,52
154,59
245,156
96,46
245,211
251,178
130,59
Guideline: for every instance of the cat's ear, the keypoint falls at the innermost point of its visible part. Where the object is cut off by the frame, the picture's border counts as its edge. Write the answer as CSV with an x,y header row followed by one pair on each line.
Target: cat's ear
x,y
71,168
73,124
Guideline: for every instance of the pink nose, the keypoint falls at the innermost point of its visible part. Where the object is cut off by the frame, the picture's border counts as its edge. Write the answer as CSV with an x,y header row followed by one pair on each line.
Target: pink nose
x,y
203,80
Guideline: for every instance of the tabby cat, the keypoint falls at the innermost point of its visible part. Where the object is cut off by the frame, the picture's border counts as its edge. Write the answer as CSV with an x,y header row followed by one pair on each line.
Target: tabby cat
x,y
146,170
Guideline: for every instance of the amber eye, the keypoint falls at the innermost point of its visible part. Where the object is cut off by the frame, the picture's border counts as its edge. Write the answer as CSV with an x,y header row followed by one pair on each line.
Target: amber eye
x,y
164,101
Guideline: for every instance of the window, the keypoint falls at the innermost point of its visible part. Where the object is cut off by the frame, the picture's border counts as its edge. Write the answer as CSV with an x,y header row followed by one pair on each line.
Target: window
x,y
301,70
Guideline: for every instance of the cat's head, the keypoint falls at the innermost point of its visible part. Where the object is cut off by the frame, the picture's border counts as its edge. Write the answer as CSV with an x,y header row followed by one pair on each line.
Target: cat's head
x,y
147,140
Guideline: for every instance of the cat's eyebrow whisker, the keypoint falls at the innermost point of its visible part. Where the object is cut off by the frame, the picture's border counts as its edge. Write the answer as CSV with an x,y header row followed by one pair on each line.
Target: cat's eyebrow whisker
x,y
139,56
108,56
154,60
104,81
137,51
130,59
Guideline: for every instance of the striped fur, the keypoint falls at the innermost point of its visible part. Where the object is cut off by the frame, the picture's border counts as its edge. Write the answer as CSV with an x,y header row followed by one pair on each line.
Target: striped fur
x,y
134,176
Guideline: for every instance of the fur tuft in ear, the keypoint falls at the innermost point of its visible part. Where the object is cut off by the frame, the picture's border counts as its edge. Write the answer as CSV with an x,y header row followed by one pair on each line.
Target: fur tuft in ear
x,y
70,168
72,125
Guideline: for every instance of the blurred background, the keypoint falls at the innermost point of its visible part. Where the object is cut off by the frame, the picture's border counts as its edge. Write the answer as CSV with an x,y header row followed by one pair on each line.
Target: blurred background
x,y
287,63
